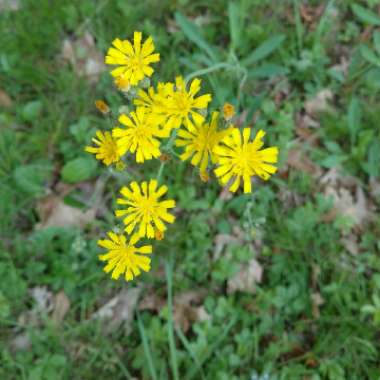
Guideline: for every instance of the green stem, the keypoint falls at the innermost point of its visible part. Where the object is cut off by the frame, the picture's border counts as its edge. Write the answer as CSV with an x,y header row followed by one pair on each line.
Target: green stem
x,y
217,66
166,148
172,348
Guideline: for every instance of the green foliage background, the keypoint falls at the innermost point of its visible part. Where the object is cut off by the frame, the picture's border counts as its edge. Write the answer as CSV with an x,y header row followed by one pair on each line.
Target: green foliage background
x,y
274,60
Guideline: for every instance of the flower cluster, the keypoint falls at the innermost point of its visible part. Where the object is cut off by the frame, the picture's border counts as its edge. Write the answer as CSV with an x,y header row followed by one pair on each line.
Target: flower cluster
x,y
175,112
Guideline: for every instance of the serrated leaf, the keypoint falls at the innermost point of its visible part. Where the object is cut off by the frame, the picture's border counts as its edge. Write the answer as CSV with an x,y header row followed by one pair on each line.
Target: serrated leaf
x,y
353,118
365,15
193,33
235,23
78,170
267,71
263,50
369,55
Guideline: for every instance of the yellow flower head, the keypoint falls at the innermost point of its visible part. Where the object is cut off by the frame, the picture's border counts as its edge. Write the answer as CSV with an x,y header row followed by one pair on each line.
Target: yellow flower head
x,y
133,61
200,141
102,106
228,111
123,257
139,136
182,106
241,159
144,208
106,150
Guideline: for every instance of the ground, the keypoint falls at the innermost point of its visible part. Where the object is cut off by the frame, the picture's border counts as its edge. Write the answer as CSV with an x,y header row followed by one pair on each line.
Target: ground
x,y
282,283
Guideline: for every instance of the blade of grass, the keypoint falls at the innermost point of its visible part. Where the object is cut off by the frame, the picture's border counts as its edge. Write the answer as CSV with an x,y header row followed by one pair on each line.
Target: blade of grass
x,y
211,350
147,352
186,344
172,348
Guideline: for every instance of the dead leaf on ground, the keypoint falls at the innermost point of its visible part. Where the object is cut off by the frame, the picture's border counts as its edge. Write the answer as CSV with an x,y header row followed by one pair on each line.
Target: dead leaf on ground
x,y
61,307
5,100
53,212
320,103
119,310
316,301
188,308
352,205
43,298
311,14
246,279
21,342
297,159
84,57
9,5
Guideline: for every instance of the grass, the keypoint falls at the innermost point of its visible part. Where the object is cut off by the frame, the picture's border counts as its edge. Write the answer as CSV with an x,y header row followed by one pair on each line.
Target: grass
x,y
314,315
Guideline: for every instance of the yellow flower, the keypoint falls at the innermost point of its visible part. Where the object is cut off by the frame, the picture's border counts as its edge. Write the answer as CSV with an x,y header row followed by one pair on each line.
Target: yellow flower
x,y
241,159
144,208
200,141
106,150
123,257
102,106
182,106
228,111
139,135
134,61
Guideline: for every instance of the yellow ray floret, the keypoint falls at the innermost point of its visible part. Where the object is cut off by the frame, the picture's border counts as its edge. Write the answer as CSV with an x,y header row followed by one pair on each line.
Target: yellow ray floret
x,y
123,257
139,135
200,141
133,60
238,158
106,149
145,213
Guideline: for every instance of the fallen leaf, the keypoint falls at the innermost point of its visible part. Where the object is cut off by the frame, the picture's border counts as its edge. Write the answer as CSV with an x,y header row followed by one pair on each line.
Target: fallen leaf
x,y
350,243
54,212
5,100
43,299
82,54
20,342
320,103
9,5
316,301
298,160
350,205
119,310
220,242
61,306
246,278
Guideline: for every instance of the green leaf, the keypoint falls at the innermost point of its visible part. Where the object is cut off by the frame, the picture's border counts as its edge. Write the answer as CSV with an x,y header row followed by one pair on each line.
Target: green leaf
x,y
78,170
31,110
376,40
369,55
30,178
235,23
193,33
266,48
365,15
353,118
266,71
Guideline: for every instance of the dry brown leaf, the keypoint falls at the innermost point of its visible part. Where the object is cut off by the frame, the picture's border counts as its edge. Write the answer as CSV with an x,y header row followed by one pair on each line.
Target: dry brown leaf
x,y
5,100
351,244
54,212
20,342
43,299
246,279
82,54
9,5
120,309
349,205
299,161
316,301
186,308
320,103
61,307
